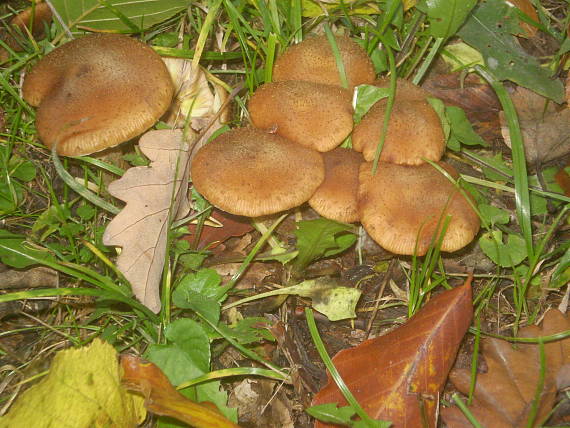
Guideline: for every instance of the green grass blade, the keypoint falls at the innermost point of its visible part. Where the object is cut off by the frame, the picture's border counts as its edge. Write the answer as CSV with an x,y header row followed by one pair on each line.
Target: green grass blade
x,y
522,196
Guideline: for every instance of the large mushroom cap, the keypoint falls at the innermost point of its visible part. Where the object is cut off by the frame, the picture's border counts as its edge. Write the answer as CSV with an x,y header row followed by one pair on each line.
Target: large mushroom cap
x,y
414,130
312,114
252,173
401,204
336,197
313,60
96,92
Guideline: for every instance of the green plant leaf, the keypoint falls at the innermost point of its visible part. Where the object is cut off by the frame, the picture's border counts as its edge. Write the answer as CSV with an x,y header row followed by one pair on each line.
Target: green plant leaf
x,y
11,244
561,275
190,337
505,254
494,215
331,413
490,30
461,128
366,97
117,15
22,169
446,16
321,238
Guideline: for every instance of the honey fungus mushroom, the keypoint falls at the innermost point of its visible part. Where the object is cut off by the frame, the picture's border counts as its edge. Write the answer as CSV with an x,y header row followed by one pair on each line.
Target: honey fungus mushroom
x,y
336,197
252,173
312,114
313,60
400,205
414,131
96,92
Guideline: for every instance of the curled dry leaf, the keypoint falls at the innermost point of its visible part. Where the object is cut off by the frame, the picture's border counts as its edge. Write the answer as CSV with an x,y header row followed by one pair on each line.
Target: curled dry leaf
x,y
504,395
214,234
399,376
197,99
545,127
163,399
155,196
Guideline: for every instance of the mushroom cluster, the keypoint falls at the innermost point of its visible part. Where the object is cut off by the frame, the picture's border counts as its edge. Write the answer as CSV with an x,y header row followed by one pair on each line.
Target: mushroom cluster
x,y
292,156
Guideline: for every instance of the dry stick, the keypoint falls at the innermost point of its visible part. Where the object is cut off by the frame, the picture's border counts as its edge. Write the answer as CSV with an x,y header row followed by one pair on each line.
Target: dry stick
x,y
387,277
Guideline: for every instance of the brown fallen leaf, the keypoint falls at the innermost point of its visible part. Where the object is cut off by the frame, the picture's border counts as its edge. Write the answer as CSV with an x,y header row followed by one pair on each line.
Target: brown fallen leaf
x,y
563,179
545,126
504,394
163,399
231,225
527,7
155,196
398,377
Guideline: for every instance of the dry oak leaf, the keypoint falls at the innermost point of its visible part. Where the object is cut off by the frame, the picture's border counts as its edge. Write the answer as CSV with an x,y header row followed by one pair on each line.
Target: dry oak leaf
x,y
398,377
155,196
504,395
81,390
163,399
546,132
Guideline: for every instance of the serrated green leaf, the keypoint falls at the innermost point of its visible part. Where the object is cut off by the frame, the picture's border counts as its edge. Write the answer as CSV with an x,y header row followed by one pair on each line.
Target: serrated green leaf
x,y
446,16
117,15
490,30
317,238
505,254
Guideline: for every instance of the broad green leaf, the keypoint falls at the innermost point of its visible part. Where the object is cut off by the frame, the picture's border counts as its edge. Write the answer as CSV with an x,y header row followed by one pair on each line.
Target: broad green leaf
x,y
190,337
117,15
176,364
319,238
13,251
209,308
206,282
439,108
330,299
461,128
505,254
494,215
332,414
446,16
82,390
366,97
10,197
490,30
22,169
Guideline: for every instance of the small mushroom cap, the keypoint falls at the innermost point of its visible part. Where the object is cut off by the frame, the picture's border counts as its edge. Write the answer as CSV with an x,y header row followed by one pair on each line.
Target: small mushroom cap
x,y
400,202
414,130
252,173
311,114
96,92
313,60
336,198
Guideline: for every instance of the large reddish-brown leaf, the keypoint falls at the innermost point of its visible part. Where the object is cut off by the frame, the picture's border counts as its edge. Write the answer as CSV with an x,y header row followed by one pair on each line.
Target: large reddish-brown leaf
x,y
395,375
503,395
163,399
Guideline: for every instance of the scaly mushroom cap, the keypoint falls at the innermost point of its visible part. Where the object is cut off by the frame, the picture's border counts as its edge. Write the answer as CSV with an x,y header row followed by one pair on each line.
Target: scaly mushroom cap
x,y
252,173
401,204
414,130
311,114
313,60
96,92
335,199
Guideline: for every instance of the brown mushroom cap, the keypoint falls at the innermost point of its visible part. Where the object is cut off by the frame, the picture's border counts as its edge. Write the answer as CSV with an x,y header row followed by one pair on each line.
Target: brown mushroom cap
x,y
399,202
414,132
336,198
313,60
312,114
96,92
252,173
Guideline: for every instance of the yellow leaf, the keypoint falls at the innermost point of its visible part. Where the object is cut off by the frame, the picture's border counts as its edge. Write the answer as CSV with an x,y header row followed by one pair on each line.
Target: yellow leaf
x,y
82,390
